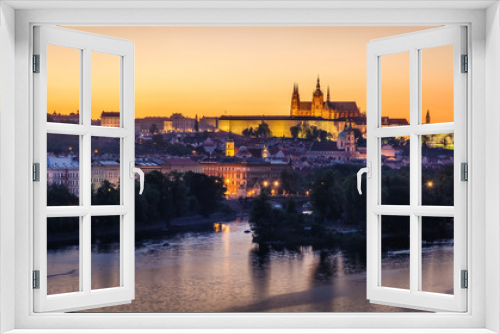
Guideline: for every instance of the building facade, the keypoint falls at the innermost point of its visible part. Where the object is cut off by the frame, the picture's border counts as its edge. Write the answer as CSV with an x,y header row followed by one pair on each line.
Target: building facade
x,y
64,171
242,176
110,118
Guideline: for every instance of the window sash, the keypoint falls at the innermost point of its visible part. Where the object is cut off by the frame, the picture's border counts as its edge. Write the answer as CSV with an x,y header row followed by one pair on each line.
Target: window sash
x,y
85,298
414,298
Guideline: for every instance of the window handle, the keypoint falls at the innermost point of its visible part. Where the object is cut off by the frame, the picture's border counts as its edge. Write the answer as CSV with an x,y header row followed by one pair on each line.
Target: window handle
x,y
363,170
134,170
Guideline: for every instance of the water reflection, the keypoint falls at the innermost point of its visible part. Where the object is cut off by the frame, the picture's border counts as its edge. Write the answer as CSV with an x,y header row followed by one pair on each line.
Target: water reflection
x,y
209,271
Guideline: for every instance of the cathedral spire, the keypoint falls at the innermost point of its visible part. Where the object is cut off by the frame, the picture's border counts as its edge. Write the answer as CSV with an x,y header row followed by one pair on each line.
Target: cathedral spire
x,y
328,93
317,83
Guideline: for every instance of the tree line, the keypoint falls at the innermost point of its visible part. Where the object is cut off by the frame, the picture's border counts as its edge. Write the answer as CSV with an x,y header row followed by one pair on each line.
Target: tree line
x,y
335,201
165,197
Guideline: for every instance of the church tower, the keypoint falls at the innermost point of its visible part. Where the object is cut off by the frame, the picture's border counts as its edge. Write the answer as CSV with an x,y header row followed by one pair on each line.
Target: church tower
x,y
428,117
317,101
230,148
294,109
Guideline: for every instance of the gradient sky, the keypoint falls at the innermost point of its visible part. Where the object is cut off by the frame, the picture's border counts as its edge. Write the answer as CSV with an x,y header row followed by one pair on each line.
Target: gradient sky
x,y
211,71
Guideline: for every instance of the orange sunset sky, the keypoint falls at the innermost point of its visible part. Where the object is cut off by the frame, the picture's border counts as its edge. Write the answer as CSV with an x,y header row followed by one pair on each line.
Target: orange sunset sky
x,y
211,71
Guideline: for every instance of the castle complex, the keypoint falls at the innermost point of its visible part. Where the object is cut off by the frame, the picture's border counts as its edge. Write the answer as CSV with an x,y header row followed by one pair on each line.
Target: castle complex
x,y
318,107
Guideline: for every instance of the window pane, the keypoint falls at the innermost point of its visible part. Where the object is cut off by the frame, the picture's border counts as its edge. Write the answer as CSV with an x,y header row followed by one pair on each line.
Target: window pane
x,y
63,170
437,254
63,255
105,89
437,84
437,169
395,252
105,171
105,256
395,89
63,84
395,171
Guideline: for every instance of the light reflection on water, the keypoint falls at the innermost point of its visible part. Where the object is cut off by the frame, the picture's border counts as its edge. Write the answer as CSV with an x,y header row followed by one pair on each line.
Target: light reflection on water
x,y
221,270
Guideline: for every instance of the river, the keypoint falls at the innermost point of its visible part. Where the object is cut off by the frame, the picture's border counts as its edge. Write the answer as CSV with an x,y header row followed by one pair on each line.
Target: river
x,y
221,270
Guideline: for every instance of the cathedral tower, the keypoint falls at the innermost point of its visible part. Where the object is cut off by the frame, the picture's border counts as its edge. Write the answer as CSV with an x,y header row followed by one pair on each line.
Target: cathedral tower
x,y
317,101
294,109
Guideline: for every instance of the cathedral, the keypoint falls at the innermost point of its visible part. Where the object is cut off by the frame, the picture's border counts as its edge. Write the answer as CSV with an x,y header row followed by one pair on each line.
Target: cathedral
x,y
319,108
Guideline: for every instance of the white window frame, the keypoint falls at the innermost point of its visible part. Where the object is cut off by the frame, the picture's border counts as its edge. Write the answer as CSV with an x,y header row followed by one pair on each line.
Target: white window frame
x,y
123,50
413,44
483,103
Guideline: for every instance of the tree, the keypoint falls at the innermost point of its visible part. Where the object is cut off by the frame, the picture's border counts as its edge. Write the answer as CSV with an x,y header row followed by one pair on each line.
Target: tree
x,y
357,133
323,135
153,129
59,195
263,130
158,140
208,191
106,194
312,133
290,181
248,132
326,195
294,131
261,220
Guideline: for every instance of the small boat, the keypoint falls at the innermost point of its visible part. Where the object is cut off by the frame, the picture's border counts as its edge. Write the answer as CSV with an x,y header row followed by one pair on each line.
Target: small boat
x,y
248,231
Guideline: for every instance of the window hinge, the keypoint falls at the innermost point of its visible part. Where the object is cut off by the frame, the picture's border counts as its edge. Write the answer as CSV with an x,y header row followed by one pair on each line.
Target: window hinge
x,y
464,171
464,279
36,63
36,279
36,172
465,64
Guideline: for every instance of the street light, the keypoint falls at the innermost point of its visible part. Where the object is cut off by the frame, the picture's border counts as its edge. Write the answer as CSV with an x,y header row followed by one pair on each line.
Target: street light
x,y
266,183
430,184
276,183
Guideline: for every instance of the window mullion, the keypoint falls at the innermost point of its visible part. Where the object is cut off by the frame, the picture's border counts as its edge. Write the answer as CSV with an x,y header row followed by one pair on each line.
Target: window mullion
x,y
86,171
85,265
414,170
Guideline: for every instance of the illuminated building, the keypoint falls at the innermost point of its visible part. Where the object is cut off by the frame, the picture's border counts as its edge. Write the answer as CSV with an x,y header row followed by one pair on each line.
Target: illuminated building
x,y
110,118
244,173
318,107
279,125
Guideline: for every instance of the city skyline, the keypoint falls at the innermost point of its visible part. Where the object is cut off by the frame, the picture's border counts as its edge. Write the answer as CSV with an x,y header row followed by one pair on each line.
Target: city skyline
x,y
214,71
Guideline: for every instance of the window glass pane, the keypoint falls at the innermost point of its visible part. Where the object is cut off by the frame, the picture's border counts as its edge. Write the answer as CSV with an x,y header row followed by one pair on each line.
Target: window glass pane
x,y
437,84
63,255
395,89
395,171
63,84
63,170
105,90
437,169
105,171
395,252
105,256
437,254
